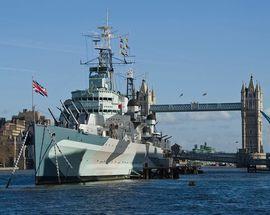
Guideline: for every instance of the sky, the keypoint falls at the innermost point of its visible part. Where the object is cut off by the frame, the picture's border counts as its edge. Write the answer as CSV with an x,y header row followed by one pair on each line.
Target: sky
x,y
188,47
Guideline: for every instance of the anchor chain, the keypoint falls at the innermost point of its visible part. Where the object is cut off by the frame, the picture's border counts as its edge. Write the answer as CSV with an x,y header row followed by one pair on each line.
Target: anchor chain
x,y
57,166
64,156
56,159
55,145
60,151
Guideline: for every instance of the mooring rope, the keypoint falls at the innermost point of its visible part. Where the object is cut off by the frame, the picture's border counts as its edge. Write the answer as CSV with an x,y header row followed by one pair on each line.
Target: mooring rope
x,y
17,161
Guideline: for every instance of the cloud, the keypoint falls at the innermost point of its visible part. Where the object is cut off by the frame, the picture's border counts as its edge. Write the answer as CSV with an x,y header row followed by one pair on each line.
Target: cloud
x,y
178,118
220,130
12,69
38,45
267,111
4,112
206,116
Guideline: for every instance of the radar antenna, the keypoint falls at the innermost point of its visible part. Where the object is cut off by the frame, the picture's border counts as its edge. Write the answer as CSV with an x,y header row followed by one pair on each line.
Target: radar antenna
x,y
103,63
130,84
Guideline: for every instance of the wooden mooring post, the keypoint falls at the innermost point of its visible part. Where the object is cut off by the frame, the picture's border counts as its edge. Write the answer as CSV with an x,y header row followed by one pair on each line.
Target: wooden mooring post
x,y
251,168
160,173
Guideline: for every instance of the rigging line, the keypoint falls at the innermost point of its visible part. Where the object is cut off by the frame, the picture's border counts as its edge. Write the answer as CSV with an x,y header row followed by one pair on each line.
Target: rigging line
x,y
90,61
86,48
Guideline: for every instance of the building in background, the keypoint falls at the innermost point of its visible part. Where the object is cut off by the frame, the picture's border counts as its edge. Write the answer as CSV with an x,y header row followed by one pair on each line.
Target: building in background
x,y
146,98
203,149
12,135
2,121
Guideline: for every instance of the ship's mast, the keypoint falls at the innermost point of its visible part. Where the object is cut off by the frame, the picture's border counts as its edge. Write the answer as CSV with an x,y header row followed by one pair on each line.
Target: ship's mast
x,y
130,85
104,66
105,52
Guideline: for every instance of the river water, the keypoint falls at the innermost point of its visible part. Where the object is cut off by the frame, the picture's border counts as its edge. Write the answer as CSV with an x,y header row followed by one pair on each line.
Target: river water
x,y
217,191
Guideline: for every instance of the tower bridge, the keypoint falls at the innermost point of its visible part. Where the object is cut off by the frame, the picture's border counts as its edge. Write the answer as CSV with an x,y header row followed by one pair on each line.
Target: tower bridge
x,y
197,107
250,106
239,159
212,157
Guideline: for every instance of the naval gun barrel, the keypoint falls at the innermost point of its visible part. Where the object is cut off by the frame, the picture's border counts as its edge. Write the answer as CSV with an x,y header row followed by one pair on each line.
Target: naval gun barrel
x,y
64,106
55,120
83,108
64,115
164,136
75,107
76,121
70,112
168,138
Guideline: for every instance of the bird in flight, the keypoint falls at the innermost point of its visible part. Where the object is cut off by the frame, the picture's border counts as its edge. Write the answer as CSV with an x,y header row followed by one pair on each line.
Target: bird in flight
x,y
181,94
204,94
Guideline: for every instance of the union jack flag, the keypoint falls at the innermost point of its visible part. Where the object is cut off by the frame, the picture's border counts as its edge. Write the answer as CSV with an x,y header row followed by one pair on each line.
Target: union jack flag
x,y
39,89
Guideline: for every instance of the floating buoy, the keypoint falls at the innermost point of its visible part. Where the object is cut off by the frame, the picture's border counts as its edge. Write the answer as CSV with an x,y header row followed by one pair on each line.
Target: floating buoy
x,y
191,183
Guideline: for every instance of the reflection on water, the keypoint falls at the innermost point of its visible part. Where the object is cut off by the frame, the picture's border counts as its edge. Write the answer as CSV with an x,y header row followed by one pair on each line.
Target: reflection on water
x,y
217,191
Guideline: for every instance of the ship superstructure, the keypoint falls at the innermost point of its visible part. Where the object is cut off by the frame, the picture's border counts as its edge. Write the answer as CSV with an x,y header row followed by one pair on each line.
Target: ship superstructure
x,y
101,97
101,133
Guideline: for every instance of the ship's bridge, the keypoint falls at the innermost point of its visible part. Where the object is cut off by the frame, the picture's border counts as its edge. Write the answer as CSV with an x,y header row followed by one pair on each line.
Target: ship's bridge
x,y
98,101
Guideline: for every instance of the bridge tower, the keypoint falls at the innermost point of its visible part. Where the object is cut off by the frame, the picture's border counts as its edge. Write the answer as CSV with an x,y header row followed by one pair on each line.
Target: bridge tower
x,y
146,98
251,99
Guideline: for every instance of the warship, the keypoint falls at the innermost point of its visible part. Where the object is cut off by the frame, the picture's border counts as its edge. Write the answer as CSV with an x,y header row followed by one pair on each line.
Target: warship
x,y
101,134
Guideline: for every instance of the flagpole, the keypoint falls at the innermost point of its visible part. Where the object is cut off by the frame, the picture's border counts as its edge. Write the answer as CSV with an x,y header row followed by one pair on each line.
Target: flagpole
x,y
33,107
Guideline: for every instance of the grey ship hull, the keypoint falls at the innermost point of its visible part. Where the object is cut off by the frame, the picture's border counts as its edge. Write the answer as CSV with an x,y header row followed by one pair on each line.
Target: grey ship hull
x,y
65,155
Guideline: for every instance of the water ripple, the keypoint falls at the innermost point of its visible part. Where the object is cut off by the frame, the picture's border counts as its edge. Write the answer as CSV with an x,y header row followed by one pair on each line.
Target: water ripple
x,y
217,191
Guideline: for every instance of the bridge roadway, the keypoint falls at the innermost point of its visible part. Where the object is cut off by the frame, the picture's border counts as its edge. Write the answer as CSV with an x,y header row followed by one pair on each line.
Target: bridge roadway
x,y
243,160
213,157
194,107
